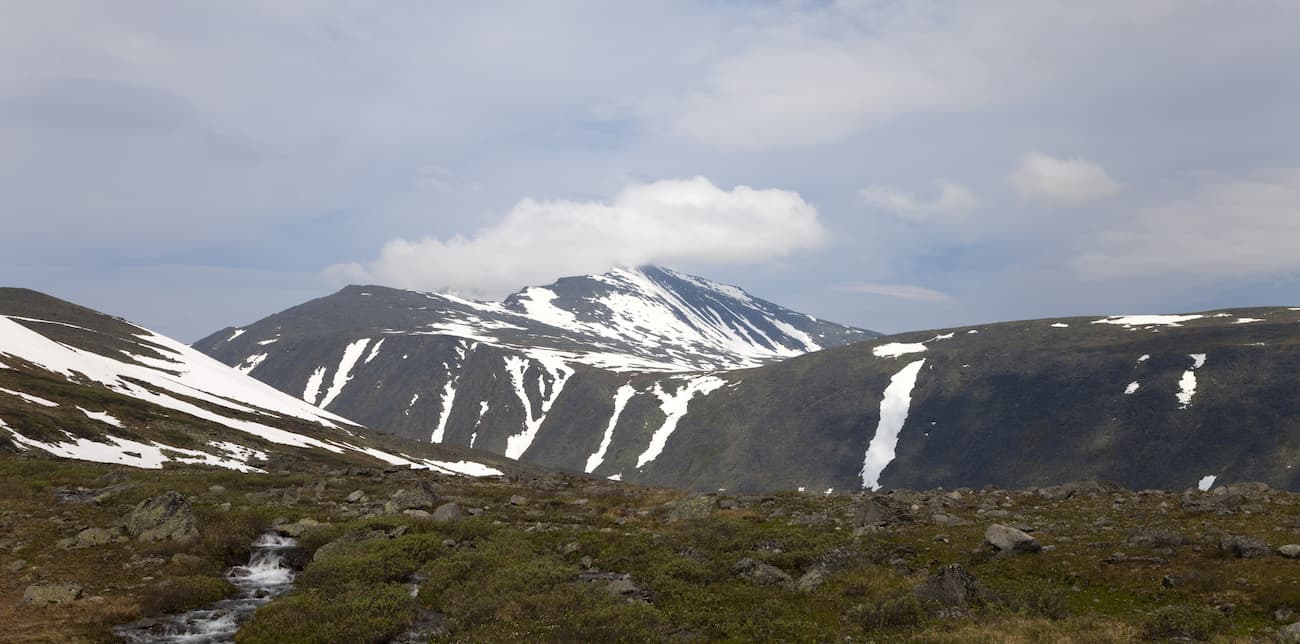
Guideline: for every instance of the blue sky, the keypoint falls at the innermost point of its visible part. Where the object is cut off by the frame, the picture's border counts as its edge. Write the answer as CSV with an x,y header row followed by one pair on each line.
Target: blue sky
x,y
886,164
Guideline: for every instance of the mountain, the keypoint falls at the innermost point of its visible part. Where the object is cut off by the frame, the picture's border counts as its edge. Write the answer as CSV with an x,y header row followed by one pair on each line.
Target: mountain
x,y
80,384
546,361
1168,401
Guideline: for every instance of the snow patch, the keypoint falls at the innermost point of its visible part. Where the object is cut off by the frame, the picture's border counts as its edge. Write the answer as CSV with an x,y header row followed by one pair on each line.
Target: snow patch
x,y
517,368
312,392
37,400
894,407
621,397
1247,320
374,351
615,477
1143,358
266,342
1060,325
125,452
236,334
344,372
102,416
895,349
1148,320
250,363
1206,482
1132,388
675,406
1187,384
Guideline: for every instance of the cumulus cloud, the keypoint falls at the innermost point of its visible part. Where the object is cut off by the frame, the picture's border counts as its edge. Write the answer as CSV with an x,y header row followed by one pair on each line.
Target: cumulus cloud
x,y
1231,228
899,291
953,199
1067,182
667,222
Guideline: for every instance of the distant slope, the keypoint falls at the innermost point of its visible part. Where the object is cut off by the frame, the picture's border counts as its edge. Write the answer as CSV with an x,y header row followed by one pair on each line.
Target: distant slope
x,y
80,384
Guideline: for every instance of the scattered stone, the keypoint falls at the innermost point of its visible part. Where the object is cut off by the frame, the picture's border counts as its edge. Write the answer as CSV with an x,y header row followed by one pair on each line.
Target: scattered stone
x,y
623,587
356,496
871,513
42,594
186,560
518,500
447,513
952,588
16,566
1289,634
1155,538
1290,551
760,573
1009,540
163,518
216,489
417,514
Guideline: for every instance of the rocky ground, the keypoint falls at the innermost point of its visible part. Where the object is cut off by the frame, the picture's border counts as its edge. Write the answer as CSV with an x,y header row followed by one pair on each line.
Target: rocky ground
x,y
395,555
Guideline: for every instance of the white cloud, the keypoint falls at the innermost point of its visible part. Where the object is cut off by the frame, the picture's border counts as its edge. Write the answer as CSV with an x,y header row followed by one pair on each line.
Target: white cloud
x,y
1231,228
665,222
899,291
1068,182
953,199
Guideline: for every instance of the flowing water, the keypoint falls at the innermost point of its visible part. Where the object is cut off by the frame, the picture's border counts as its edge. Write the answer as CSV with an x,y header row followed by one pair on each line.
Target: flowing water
x,y
265,577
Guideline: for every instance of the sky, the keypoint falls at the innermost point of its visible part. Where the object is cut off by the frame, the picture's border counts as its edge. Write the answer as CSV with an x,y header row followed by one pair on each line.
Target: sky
x,y
891,165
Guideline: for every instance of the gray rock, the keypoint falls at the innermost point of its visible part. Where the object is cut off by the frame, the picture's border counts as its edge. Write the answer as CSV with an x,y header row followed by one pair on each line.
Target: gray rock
x,y
417,514
518,500
1155,538
871,513
1290,550
693,507
1009,540
1289,634
42,594
163,518
1243,547
447,513
420,497
356,496
622,588
813,579
17,565
297,528
952,587
761,574
89,538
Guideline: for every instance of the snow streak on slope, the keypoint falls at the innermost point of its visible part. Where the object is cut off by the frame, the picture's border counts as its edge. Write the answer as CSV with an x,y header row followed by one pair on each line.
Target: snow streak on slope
x,y
312,392
1187,384
894,407
518,368
344,372
128,452
35,400
621,397
675,406
448,396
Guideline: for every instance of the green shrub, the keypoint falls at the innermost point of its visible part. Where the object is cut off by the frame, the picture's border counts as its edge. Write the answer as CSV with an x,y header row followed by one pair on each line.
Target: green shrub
x,y
374,614
1182,621
178,594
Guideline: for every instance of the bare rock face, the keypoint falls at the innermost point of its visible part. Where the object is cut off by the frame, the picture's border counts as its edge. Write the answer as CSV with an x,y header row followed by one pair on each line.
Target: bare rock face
x,y
1008,540
43,594
163,518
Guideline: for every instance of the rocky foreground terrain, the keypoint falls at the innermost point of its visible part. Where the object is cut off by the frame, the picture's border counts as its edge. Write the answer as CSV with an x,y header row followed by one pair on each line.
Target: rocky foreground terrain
x,y
401,555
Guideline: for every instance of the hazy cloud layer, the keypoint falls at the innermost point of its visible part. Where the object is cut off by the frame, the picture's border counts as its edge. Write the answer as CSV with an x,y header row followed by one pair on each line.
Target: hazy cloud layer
x,y
898,291
952,199
1231,228
666,222
217,148
1068,182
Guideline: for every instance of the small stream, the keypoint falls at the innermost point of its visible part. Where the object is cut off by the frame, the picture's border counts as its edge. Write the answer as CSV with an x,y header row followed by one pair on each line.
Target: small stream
x,y
265,577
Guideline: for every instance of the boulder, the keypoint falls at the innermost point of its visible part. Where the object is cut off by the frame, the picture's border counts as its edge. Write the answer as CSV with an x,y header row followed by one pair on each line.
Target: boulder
x,y
761,574
518,500
89,538
1290,551
42,594
420,497
1008,540
163,518
297,528
1242,547
698,506
952,588
357,495
813,579
1289,634
447,513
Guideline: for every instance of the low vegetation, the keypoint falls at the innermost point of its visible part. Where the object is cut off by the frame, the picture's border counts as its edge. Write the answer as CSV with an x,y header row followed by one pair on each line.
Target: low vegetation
x,y
563,558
